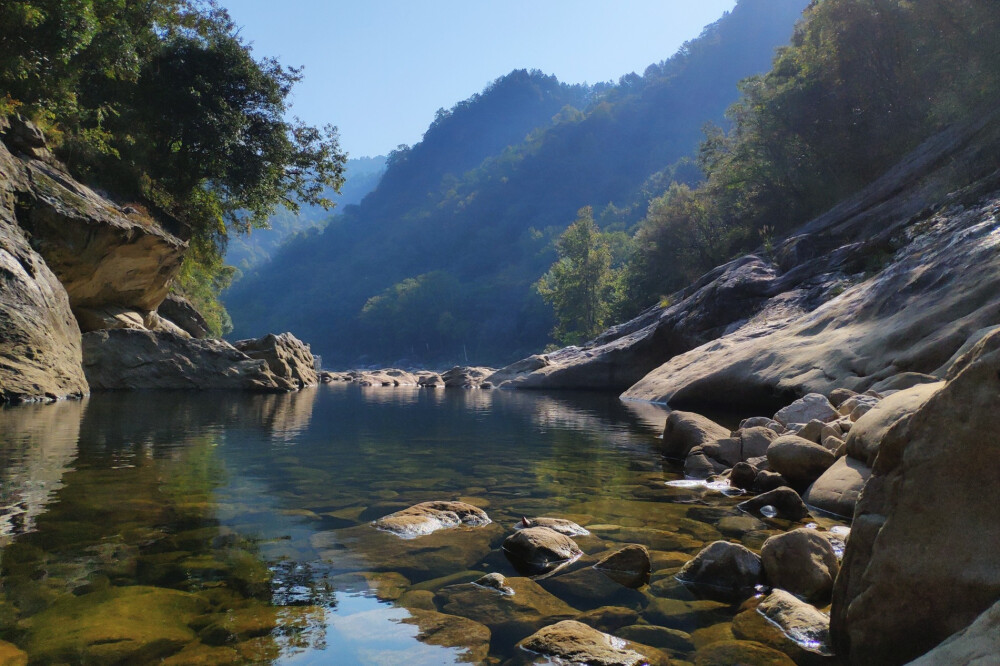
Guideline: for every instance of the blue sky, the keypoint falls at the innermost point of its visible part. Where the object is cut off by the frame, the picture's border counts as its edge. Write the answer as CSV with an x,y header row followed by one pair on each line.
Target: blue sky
x,y
379,69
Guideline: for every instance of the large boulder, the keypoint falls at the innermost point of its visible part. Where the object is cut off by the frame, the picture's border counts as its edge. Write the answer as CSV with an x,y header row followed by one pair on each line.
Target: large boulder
x,y
799,460
802,562
536,550
921,561
40,354
867,433
837,490
684,431
286,356
137,359
723,570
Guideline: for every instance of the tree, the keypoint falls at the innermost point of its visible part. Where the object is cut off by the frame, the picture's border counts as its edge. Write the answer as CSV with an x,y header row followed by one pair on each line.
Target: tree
x,y
161,102
577,285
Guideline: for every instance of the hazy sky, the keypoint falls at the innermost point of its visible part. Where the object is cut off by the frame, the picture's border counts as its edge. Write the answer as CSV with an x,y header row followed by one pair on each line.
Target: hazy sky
x,y
379,69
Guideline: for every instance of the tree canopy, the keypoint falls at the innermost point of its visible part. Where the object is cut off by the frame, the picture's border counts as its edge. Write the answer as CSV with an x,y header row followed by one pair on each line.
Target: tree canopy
x,y
162,102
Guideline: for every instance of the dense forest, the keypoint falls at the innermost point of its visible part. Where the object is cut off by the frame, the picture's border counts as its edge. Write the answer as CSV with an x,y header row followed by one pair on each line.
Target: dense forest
x,y
163,106
442,261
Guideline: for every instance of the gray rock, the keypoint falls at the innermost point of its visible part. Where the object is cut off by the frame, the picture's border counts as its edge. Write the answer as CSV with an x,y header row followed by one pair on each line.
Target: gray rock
x,y
839,395
182,312
866,434
802,562
577,643
428,517
743,476
722,570
40,354
802,622
799,460
286,356
837,490
805,409
536,550
131,359
766,481
786,502
976,645
921,561
561,525
684,431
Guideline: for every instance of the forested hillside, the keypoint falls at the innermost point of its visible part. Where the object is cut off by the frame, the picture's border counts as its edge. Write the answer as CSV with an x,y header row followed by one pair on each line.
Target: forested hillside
x,y
361,175
439,263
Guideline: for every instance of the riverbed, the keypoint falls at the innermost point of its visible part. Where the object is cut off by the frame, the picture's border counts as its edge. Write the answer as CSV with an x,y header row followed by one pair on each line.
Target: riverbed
x,y
220,527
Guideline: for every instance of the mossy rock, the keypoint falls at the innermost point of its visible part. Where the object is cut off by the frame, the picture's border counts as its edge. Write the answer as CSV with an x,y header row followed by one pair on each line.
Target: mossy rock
x,y
115,625
199,654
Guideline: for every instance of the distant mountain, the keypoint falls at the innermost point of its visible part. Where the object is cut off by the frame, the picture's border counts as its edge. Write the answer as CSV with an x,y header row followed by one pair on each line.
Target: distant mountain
x,y
439,260
361,176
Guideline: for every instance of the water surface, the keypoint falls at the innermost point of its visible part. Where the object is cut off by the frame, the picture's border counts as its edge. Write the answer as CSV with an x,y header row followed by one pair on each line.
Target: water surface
x,y
223,527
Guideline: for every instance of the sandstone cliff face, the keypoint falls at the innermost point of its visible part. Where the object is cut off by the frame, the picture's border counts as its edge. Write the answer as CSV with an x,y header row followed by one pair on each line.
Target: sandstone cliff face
x,y
921,560
40,353
876,287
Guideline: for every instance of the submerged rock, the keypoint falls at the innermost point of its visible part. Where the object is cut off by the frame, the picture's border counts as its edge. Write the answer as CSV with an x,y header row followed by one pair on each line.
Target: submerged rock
x,y
524,611
802,562
561,525
577,643
628,566
723,570
427,517
115,625
537,550
452,631
744,653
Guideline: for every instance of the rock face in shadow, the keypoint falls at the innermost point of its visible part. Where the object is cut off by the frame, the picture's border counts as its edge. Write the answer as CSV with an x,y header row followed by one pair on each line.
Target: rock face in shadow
x,y
875,288
132,359
921,561
286,356
979,643
40,353
182,313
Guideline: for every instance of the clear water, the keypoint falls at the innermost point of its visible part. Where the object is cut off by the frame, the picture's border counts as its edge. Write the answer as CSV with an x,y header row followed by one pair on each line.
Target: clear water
x,y
234,528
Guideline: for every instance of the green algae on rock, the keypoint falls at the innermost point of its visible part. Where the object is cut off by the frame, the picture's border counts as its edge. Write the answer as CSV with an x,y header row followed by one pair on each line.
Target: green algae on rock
x,y
114,625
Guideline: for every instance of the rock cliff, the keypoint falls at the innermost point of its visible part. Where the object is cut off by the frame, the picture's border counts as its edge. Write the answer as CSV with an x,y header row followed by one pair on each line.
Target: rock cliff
x,y
73,261
875,288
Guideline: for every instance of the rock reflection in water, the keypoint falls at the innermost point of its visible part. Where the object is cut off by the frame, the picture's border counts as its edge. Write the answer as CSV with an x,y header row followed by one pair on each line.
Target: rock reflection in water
x,y
37,446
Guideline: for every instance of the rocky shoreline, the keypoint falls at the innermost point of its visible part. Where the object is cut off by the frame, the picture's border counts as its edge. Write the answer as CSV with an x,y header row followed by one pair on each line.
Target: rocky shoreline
x,y
85,301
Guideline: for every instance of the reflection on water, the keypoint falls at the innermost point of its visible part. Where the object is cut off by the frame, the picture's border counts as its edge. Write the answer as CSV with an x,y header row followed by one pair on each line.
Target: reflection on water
x,y
230,528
